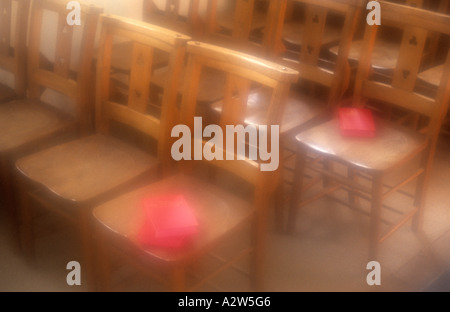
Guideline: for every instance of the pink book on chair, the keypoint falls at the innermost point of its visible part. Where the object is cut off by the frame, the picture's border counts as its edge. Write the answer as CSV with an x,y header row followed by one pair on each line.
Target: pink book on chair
x,y
170,221
356,122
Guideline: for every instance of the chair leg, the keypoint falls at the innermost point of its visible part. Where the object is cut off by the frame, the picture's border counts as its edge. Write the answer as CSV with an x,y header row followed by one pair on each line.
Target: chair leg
x,y
260,238
86,240
353,200
421,190
102,264
375,217
279,199
296,196
178,279
8,202
279,202
26,226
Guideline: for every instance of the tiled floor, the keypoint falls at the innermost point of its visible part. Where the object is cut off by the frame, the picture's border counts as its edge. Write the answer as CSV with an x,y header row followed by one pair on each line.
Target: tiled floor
x,y
328,252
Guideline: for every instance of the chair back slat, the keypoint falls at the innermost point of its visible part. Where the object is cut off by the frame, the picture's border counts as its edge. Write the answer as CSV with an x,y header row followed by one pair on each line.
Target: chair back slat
x,y
63,46
141,69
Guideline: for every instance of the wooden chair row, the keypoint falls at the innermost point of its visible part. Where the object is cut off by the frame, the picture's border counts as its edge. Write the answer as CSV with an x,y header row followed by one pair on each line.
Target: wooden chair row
x,y
68,173
89,173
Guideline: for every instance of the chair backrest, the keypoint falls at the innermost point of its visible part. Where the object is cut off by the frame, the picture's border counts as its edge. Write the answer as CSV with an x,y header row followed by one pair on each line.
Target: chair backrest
x,y
249,27
171,15
13,38
242,72
311,66
136,109
70,72
401,90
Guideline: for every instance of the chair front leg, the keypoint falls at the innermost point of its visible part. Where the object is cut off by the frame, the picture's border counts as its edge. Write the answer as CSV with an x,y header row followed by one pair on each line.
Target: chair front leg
x,y
297,191
375,216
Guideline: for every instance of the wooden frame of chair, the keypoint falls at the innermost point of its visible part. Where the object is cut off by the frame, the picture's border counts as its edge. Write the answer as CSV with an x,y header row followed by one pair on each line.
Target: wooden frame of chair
x,y
13,52
205,198
371,160
92,169
28,125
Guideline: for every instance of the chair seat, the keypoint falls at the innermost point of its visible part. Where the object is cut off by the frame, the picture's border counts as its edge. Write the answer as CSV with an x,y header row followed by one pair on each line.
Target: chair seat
x,y
391,145
216,210
299,109
6,93
293,33
25,122
385,54
210,86
84,169
433,75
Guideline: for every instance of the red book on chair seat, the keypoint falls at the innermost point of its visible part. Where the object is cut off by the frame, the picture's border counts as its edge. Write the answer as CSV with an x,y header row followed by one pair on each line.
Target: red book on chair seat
x,y
356,122
170,221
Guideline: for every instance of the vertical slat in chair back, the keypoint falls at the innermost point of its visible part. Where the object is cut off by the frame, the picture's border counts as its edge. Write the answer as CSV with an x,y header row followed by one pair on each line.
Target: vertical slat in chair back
x,y
401,90
137,109
61,74
13,46
242,71
274,28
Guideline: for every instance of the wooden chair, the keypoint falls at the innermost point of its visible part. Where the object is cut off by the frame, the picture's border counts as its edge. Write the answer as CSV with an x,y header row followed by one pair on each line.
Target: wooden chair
x,y
31,124
320,86
71,178
219,212
13,48
371,163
